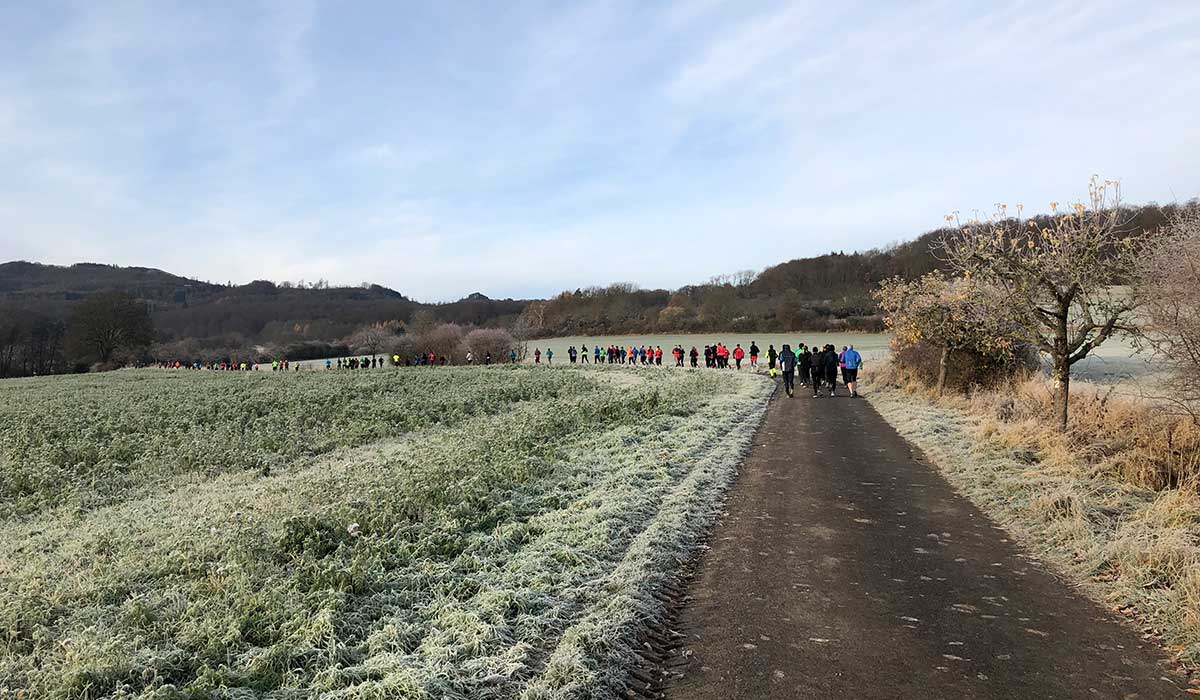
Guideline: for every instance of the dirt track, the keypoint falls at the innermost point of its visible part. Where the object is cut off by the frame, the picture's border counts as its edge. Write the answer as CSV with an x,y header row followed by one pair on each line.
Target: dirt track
x,y
846,568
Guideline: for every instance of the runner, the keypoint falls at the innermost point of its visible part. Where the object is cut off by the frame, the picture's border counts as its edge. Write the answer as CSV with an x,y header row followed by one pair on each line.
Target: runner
x,y
831,368
771,355
753,355
695,356
787,363
537,356
549,356
738,354
583,354
804,363
851,362
816,371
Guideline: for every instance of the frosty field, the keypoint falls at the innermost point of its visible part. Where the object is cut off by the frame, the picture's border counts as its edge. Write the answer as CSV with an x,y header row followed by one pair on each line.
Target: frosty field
x,y
414,533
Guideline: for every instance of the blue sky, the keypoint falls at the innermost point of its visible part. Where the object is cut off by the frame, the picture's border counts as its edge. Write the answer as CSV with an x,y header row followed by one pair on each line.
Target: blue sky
x,y
519,149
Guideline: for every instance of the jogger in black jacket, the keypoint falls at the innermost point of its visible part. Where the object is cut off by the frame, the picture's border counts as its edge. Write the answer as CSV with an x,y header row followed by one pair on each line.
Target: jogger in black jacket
x,y
787,363
816,373
830,364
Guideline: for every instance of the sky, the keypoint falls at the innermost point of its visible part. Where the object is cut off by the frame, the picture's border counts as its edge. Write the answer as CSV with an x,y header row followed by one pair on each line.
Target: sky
x,y
522,148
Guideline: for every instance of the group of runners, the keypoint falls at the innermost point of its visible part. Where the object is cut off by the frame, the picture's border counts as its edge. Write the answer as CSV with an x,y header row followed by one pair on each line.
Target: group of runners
x,y
818,367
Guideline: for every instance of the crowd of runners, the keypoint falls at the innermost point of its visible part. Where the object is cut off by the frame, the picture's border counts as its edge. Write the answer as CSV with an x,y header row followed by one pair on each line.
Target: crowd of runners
x,y
817,367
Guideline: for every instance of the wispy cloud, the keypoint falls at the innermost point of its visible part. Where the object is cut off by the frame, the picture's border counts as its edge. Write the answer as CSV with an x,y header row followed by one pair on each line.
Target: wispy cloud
x,y
521,148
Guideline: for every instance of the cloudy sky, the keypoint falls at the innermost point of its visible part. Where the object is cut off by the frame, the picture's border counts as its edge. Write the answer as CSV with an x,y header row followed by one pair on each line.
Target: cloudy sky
x,y
520,148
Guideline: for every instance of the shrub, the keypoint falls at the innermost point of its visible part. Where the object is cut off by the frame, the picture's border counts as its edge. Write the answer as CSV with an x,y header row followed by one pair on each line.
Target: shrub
x,y
482,341
1169,289
921,361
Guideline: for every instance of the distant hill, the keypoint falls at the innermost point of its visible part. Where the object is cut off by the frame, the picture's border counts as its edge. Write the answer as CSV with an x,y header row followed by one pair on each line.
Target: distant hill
x,y
262,311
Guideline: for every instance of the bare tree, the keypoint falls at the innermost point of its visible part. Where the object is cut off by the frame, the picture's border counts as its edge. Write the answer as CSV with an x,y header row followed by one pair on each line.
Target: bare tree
x,y
1169,290
743,278
1058,275
369,339
106,323
533,317
494,341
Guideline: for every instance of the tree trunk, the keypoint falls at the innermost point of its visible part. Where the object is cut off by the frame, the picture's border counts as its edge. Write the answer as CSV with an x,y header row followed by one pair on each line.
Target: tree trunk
x,y
945,360
1062,371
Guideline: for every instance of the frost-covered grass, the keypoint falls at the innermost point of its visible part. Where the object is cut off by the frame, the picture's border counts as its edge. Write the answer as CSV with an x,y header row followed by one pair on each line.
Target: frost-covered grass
x,y
423,533
92,440
1078,505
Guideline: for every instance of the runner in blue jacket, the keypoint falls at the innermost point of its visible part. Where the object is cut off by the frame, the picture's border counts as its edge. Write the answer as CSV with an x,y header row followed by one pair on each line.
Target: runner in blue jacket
x,y
851,363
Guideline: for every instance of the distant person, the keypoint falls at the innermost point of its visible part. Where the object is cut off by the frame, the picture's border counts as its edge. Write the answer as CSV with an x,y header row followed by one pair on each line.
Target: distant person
x,y
512,356
851,363
328,364
695,356
470,358
753,355
738,355
549,356
787,364
537,356
658,353
583,354
487,357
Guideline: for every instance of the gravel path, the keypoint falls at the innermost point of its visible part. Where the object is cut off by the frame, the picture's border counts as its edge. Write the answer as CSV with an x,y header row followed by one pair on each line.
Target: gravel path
x,y
847,568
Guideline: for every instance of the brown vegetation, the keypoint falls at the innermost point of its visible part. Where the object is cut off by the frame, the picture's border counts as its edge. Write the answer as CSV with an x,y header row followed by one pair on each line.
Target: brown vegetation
x,y
1057,276
963,319
1169,291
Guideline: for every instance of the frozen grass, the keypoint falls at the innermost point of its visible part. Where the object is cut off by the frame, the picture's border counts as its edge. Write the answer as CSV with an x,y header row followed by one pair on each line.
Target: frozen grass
x,y
1095,503
505,547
